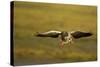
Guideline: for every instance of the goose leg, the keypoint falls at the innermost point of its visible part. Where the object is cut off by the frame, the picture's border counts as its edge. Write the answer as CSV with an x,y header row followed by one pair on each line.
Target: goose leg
x,y
61,44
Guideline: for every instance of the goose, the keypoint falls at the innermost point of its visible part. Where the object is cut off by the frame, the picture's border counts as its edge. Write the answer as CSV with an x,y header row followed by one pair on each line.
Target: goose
x,y
64,37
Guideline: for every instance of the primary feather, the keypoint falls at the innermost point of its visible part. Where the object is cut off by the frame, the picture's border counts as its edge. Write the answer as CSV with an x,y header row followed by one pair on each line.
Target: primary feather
x,y
79,34
49,34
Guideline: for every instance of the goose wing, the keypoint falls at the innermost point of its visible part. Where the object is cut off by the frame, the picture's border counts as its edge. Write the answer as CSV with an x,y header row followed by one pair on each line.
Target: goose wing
x,y
79,34
53,34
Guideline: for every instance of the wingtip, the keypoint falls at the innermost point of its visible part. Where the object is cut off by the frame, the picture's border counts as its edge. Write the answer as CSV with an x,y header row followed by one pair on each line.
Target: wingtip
x,y
89,34
35,34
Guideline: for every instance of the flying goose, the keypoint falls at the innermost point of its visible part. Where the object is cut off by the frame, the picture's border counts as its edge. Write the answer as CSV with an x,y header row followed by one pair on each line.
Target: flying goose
x,y
65,37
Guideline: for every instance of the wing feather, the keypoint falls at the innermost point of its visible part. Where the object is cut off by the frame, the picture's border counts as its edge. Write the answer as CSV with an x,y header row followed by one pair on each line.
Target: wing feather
x,y
78,34
53,34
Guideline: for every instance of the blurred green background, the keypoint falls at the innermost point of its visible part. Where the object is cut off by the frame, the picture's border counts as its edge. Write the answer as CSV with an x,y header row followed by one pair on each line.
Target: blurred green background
x,y
30,18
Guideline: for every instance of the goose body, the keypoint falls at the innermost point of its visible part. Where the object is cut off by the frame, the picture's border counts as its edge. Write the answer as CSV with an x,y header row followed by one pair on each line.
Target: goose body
x,y
64,37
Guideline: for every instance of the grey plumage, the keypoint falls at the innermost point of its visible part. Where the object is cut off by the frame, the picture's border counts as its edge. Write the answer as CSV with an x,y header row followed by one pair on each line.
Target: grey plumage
x,y
55,34
65,37
79,34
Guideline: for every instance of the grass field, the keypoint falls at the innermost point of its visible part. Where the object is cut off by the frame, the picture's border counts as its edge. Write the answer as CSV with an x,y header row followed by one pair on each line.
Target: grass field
x,y
30,18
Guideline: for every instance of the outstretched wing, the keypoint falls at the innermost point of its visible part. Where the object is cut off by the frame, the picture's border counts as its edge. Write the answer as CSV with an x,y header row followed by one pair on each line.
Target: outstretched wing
x,y
53,34
78,34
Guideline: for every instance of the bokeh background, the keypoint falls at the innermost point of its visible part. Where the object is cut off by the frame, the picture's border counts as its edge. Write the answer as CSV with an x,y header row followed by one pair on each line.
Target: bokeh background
x,y
32,17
